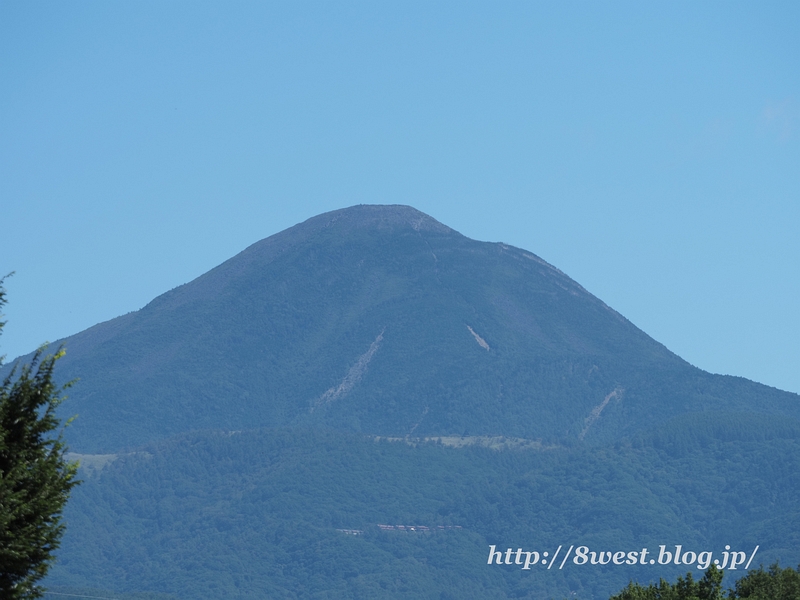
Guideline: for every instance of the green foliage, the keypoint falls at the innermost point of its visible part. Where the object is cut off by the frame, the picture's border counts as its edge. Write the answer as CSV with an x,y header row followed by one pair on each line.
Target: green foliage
x,y
254,513
773,584
686,588
35,477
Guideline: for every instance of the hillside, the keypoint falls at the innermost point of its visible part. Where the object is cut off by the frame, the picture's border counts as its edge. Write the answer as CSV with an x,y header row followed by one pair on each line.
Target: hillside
x,y
381,320
362,405
300,514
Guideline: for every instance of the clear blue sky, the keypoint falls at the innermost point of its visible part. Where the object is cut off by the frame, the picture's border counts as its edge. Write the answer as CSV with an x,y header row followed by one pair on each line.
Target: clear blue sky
x,y
649,150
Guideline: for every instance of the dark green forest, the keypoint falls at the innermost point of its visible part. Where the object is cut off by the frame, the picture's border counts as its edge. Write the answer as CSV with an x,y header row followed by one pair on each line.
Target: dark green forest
x,y
775,583
252,514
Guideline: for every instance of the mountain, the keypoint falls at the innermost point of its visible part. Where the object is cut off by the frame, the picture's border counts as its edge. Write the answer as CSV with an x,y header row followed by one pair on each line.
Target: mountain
x,y
380,319
310,513
363,405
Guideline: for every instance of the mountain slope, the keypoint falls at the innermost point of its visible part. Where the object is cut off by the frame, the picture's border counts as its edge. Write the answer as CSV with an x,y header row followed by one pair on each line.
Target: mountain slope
x,y
382,320
235,425
271,513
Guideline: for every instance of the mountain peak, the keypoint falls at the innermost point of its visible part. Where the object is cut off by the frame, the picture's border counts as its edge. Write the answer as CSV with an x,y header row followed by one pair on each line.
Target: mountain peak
x,y
376,216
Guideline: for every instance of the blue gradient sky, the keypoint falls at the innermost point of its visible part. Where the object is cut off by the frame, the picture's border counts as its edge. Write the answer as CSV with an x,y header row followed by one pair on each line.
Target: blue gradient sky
x,y
649,150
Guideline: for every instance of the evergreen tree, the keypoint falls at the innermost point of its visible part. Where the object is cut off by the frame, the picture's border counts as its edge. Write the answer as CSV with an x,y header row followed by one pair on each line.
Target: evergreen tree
x,y
774,584
35,477
708,588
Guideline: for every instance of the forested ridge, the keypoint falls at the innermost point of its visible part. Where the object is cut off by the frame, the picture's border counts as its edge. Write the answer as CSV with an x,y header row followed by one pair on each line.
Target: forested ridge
x,y
257,513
